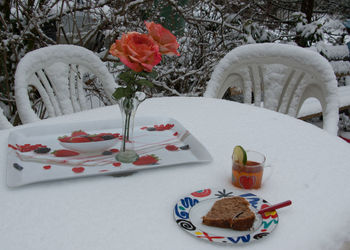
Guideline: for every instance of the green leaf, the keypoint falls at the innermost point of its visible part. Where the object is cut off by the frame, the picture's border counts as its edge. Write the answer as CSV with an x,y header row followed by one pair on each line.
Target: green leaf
x,y
142,74
145,74
153,74
144,82
127,76
129,91
118,64
119,93
123,92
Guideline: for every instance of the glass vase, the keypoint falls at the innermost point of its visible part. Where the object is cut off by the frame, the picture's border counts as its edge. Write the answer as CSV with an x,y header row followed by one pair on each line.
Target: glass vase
x,y
128,108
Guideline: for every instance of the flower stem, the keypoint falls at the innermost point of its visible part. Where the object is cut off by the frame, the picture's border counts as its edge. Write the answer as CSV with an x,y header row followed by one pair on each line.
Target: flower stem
x,y
128,107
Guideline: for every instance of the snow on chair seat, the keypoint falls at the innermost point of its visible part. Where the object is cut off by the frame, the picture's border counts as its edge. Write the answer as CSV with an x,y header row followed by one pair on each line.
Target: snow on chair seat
x,y
63,76
279,77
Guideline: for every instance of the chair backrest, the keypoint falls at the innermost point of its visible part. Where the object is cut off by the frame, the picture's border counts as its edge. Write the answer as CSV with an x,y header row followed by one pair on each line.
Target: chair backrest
x,y
63,76
4,123
279,77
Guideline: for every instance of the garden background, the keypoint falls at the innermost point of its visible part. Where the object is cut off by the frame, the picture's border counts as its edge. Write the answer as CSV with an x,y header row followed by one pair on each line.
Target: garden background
x,y
206,31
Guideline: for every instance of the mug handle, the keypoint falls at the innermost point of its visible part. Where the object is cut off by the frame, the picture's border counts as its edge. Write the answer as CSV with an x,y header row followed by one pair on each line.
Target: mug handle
x,y
267,174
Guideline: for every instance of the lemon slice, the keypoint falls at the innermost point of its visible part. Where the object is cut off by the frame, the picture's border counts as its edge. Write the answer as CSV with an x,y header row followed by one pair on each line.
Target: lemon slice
x,y
239,155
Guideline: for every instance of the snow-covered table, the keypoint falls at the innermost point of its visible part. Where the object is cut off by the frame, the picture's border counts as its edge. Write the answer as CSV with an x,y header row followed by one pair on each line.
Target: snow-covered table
x,y
311,168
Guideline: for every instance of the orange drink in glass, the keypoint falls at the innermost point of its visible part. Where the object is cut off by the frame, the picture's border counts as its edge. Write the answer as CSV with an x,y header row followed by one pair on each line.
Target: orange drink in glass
x,y
249,175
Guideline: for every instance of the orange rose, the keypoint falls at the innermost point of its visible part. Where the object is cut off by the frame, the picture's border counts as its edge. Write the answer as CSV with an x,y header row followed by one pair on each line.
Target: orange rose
x,y
137,51
164,38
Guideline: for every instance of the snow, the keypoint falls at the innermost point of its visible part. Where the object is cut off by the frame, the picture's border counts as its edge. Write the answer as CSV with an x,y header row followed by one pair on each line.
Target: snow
x,y
332,26
333,52
4,123
136,211
341,67
63,94
302,74
313,106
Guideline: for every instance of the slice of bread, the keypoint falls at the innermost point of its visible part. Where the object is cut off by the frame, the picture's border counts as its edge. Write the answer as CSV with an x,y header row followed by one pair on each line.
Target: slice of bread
x,y
232,212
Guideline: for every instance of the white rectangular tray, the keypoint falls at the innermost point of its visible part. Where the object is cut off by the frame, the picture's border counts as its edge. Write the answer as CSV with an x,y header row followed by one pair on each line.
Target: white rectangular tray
x,y
29,167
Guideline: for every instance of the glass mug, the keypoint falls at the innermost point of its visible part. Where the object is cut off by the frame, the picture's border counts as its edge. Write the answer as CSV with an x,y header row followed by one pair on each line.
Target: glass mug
x,y
249,176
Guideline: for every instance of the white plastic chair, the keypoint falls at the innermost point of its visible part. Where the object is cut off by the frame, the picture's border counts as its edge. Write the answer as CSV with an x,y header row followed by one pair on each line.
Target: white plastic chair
x,y
279,77
60,74
4,123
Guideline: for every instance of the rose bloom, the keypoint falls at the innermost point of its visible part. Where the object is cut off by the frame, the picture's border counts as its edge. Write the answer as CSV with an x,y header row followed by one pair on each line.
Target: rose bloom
x,y
137,51
164,38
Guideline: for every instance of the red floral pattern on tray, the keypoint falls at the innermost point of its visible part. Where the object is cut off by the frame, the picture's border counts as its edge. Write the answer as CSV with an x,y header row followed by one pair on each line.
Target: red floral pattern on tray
x,y
156,145
171,148
49,158
44,154
78,170
146,160
80,136
160,127
26,147
116,164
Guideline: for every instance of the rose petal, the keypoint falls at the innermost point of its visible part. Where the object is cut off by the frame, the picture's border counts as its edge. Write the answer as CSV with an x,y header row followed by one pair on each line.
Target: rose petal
x,y
164,38
134,66
137,51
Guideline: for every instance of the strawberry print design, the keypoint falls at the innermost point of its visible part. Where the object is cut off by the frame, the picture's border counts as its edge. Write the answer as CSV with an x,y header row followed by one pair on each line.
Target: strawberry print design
x,y
164,127
26,147
116,164
64,153
171,148
78,170
146,160
78,133
79,140
11,146
160,127
83,137
64,138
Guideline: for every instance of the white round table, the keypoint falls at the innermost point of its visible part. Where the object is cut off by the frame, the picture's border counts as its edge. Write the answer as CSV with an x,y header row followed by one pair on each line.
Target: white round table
x,y
310,167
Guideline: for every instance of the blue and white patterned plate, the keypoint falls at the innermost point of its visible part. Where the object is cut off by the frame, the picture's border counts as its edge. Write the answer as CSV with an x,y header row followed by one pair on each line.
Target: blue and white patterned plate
x,y
190,209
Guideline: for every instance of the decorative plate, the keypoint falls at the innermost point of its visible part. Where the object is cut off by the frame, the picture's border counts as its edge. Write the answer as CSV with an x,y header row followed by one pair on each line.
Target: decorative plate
x,y
51,152
92,146
190,209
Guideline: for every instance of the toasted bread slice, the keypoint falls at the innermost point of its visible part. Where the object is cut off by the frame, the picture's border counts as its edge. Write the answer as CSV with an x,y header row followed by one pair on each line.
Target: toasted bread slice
x,y
232,212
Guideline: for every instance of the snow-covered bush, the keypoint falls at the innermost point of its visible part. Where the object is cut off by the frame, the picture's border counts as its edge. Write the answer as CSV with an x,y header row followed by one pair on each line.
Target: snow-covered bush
x,y
307,33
